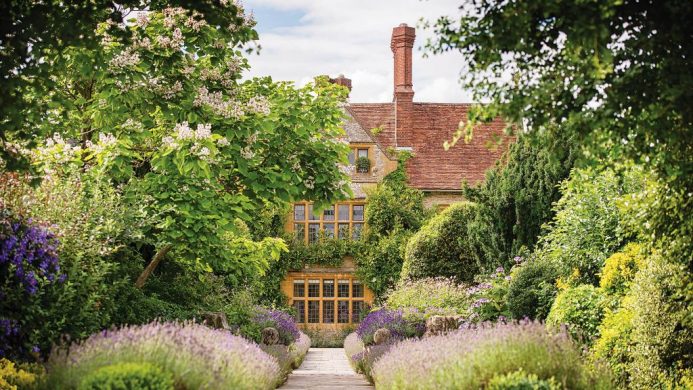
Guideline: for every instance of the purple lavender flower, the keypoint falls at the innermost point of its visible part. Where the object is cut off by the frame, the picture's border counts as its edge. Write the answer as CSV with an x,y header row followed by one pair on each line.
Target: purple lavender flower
x,y
283,322
518,259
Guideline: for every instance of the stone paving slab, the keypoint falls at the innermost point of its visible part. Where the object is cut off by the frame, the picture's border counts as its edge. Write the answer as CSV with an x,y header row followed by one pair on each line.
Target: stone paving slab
x,y
326,368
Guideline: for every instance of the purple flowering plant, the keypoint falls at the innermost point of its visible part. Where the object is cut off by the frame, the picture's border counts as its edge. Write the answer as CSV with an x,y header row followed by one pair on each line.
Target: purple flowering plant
x,y
401,326
28,265
489,295
282,321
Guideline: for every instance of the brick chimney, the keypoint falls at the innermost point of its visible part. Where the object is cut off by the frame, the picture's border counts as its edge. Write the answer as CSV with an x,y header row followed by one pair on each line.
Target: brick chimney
x,y
341,80
402,43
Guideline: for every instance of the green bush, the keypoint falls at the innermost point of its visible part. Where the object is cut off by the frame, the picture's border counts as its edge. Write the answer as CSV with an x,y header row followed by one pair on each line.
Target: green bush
x,y
615,342
520,380
588,226
620,269
380,263
426,293
328,338
532,289
662,337
393,205
128,376
580,309
442,247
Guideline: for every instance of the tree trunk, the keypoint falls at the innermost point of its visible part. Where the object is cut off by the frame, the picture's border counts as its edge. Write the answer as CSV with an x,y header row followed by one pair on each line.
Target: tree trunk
x,y
142,279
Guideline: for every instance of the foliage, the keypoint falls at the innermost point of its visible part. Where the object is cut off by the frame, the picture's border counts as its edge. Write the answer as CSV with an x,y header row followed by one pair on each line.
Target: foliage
x,y
620,269
22,376
517,196
288,357
470,358
352,346
328,338
580,309
587,227
365,360
615,341
442,246
532,289
519,380
379,264
126,376
283,322
33,31
663,344
195,355
428,293
489,296
363,165
395,321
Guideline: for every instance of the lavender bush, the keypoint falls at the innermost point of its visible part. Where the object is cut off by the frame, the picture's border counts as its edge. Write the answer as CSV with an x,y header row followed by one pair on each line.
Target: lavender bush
x,y
352,346
299,349
198,357
470,358
394,320
283,322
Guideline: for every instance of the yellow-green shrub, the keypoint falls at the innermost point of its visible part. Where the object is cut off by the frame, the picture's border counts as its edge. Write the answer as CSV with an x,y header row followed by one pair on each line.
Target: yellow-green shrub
x,y
620,269
615,341
580,309
13,377
126,376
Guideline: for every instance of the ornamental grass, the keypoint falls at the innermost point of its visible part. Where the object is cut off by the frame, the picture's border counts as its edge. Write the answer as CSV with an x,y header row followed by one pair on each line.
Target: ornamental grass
x,y
471,358
196,356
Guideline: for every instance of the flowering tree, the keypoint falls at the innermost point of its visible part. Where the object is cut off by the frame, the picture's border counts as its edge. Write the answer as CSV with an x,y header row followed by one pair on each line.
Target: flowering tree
x,y
197,151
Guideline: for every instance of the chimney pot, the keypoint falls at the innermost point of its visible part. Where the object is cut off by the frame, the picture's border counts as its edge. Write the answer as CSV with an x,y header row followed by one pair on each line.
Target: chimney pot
x,y
341,80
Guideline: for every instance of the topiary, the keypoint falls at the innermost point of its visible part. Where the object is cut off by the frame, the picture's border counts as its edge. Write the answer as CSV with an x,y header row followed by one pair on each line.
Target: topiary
x,y
532,289
520,380
126,376
620,269
580,309
442,247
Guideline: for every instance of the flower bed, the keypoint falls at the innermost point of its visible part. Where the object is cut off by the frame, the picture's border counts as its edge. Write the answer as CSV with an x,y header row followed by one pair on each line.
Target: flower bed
x,y
195,355
472,358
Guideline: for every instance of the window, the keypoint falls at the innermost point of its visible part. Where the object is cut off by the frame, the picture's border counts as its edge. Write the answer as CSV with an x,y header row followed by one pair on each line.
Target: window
x,y
343,289
300,231
324,299
313,312
329,230
299,212
356,310
363,153
351,157
314,288
299,288
328,288
357,289
328,312
328,214
342,220
343,233
300,307
313,232
343,312
358,212
356,232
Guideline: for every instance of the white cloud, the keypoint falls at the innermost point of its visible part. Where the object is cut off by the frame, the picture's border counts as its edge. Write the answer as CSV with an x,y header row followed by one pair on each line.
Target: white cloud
x,y
353,38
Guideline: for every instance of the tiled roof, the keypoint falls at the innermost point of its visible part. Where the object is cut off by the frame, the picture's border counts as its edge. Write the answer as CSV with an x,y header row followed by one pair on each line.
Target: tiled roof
x,y
432,167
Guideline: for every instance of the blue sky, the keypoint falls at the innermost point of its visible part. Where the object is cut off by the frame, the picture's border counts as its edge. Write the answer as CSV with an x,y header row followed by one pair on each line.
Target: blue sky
x,y
304,38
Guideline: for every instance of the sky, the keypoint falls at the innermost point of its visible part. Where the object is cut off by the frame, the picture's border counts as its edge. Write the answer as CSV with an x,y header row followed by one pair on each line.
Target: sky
x,y
301,39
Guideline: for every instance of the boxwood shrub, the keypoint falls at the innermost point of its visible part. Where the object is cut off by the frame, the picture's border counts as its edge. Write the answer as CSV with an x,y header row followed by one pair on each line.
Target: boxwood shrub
x,y
580,309
532,289
442,246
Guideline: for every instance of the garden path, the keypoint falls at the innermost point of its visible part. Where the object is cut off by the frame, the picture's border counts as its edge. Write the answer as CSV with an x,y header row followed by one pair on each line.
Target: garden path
x,y
326,368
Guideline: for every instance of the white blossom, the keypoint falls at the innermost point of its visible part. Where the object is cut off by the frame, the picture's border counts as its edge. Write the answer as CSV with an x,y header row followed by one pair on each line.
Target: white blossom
x,y
183,131
125,59
195,21
142,20
203,131
259,105
169,142
247,153
309,182
215,101
223,142
143,43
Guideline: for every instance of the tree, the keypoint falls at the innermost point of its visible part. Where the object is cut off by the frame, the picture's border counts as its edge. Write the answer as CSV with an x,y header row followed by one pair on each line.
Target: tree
x,y
165,116
31,31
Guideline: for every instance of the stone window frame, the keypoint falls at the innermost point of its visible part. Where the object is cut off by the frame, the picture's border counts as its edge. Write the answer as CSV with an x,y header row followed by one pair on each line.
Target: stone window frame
x,y
335,299
303,226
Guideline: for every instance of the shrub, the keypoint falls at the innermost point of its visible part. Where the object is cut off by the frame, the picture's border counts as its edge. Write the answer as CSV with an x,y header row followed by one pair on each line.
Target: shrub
x,y
620,269
328,338
196,356
22,376
126,376
588,226
580,309
299,349
393,205
662,339
283,322
520,380
489,297
615,342
424,293
470,358
379,265
532,289
442,247
366,359
352,346
288,357
393,320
